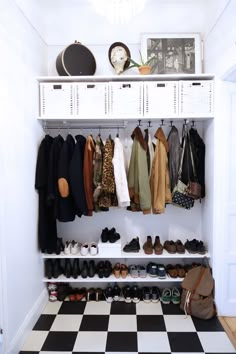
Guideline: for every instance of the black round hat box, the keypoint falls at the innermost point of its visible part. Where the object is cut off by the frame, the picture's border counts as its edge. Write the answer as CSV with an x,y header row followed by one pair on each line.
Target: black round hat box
x,y
75,60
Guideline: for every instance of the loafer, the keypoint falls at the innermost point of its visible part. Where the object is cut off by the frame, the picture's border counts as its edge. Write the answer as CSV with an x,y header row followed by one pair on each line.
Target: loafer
x,y
180,270
170,246
179,247
116,270
147,246
171,271
123,271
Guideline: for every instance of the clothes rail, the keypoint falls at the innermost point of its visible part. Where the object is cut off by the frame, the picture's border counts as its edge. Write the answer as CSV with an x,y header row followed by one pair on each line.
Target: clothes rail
x,y
69,126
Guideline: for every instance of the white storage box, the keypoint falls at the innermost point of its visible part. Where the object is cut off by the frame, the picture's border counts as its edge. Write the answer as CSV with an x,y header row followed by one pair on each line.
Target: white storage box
x,y
91,100
160,99
56,100
126,99
109,249
196,98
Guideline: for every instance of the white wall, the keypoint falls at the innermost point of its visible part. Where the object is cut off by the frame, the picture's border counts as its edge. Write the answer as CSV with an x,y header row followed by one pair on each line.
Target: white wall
x,y
23,58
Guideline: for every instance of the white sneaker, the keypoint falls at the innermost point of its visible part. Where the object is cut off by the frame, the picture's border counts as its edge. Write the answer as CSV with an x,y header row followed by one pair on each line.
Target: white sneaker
x,y
93,248
84,249
74,247
67,249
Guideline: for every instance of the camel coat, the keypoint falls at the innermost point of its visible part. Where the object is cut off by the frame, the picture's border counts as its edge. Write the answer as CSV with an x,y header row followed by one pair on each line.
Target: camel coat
x,y
159,180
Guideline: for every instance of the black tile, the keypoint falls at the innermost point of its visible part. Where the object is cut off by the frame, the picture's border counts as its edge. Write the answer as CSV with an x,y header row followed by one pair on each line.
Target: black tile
x,y
60,341
212,325
219,353
171,309
23,352
150,323
122,308
153,353
94,323
122,342
187,342
72,308
44,323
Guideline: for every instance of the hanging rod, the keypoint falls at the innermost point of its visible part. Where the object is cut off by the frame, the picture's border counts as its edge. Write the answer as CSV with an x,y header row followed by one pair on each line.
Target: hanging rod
x,y
80,125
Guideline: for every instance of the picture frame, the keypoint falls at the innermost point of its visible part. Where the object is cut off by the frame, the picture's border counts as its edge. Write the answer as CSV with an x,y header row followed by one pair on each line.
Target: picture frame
x,y
176,53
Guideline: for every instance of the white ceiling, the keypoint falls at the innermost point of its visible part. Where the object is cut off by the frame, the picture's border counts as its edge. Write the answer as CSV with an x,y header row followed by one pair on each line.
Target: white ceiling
x,y
60,22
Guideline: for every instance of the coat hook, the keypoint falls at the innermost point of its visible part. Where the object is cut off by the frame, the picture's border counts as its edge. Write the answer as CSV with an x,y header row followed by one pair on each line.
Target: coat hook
x,y
193,124
149,124
171,123
162,122
139,123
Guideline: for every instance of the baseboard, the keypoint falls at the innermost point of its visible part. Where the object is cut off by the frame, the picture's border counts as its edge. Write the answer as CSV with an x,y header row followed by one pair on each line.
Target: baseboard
x,y
228,330
28,323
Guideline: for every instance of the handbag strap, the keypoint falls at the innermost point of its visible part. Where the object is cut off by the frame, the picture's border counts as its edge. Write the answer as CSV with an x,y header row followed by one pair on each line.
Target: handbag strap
x,y
192,159
182,157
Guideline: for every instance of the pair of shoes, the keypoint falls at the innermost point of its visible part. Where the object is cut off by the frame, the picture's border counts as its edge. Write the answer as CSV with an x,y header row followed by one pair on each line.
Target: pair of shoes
x,y
151,294
112,294
104,269
157,247
132,246
131,294
195,246
77,294
109,235
170,295
175,271
94,294
173,247
71,247
53,268
120,270
156,270
91,248
52,292
136,271
88,269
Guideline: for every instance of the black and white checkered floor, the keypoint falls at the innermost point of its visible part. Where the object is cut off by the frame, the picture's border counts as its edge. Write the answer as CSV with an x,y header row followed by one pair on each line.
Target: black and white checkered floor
x,y
98,327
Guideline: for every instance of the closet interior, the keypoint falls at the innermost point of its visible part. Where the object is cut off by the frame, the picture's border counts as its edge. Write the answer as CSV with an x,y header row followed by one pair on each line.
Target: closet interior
x,y
117,114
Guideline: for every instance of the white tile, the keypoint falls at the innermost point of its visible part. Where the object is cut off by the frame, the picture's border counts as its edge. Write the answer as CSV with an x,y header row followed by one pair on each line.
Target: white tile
x,y
122,323
35,341
156,342
97,308
67,323
90,342
125,353
179,323
149,309
216,342
52,308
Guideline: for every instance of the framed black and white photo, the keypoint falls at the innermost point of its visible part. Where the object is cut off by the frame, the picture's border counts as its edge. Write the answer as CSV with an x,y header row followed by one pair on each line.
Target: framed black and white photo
x,y
178,53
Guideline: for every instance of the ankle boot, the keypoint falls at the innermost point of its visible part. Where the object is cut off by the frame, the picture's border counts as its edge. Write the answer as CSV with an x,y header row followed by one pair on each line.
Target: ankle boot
x,y
105,235
48,269
68,268
57,271
75,269
84,270
91,269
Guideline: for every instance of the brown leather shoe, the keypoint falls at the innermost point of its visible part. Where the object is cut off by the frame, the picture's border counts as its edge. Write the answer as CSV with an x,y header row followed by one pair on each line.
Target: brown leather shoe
x,y
171,271
158,248
123,271
180,270
179,247
147,246
170,246
116,270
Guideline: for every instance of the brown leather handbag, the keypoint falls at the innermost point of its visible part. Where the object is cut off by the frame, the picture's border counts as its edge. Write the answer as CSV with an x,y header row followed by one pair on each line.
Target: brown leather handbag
x,y
197,296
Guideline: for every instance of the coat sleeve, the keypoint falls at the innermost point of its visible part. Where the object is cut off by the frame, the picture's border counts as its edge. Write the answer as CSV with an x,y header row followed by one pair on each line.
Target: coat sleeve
x,y
143,180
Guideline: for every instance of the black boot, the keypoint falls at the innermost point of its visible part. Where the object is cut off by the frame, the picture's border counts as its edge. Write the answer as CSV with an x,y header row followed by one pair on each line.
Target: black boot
x,y
68,268
100,269
91,269
57,270
84,270
105,235
75,269
60,245
113,235
48,269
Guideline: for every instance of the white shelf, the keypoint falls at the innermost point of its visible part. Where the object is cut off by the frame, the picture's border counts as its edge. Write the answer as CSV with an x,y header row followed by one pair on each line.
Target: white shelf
x,y
112,279
124,255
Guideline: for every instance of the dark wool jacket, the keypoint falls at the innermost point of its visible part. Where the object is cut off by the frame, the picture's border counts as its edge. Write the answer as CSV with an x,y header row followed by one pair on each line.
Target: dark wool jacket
x,y
47,228
174,155
66,208
76,177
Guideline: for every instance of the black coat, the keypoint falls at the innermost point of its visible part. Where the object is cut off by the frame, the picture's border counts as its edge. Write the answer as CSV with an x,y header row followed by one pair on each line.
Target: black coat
x,y
76,176
47,228
66,207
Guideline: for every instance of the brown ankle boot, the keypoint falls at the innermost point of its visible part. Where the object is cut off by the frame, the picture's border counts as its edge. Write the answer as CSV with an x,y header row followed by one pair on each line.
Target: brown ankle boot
x,y
158,248
147,246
